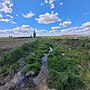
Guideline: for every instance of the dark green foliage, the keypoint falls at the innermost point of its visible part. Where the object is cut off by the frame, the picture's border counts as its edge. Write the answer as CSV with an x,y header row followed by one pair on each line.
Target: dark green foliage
x,y
31,67
31,58
12,56
26,48
16,53
67,64
34,34
27,56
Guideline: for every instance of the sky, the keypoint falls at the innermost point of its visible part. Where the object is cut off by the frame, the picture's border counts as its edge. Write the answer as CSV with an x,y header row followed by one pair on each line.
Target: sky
x,y
46,17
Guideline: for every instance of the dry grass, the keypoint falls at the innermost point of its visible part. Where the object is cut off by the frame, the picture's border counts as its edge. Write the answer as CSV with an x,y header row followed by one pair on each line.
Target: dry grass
x,y
13,42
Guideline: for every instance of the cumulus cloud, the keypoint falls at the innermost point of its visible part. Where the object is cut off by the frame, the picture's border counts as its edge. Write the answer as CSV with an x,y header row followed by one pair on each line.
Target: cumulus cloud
x,y
3,19
9,19
41,32
61,3
6,10
52,6
48,18
87,24
17,15
13,22
50,2
65,23
28,30
24,30
55,27
28,15
6,6
83,29
9,16
69,30
1,16
53,33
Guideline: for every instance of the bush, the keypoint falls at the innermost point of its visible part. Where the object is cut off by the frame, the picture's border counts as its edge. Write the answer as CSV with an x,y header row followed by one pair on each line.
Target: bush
x,y
31,58
26,48
31,67
16,53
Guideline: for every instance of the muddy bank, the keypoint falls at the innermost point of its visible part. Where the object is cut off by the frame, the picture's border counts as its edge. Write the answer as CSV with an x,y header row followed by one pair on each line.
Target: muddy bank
x,y
22,82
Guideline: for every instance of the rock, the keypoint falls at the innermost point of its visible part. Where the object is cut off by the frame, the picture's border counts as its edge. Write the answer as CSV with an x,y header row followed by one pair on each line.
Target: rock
x,y
9,86
31,73
5,80
17,78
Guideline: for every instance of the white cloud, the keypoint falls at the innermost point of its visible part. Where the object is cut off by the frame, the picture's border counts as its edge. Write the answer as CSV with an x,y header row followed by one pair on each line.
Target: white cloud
x,y
3,19
16,14
41,32
26,27
13,22
69,29
53,33
65,23
1,16
87,24
50,2
24,30
28,15
48,18
52,6
61,3
9,16
55,27
5,6
83,29
27,30
41,4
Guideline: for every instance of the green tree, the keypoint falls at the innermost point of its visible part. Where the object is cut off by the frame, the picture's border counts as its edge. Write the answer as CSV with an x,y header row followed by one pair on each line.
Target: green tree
x,y
34,34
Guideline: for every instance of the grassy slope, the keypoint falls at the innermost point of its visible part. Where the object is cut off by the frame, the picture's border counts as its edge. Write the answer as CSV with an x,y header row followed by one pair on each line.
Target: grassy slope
x,y
26,58
67,64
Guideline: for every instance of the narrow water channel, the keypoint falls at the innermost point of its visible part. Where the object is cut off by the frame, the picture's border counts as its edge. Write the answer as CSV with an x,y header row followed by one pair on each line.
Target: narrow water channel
x,y
19,79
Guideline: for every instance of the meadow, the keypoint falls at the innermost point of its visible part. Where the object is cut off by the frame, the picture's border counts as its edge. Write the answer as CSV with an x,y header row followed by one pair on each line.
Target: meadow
x,y
68,64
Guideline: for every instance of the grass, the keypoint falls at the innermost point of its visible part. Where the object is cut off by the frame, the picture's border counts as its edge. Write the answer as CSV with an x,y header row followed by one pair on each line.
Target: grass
x,y
68,64
25,57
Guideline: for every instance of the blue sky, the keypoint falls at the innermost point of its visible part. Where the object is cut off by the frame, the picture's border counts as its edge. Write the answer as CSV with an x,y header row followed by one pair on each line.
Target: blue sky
x,y
46,17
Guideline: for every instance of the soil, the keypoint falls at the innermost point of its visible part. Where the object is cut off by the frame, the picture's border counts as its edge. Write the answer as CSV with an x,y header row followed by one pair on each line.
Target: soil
x,y
11,42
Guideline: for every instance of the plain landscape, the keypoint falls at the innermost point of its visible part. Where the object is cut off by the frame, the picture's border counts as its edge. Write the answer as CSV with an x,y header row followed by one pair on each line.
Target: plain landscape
x,y
45,63
44,44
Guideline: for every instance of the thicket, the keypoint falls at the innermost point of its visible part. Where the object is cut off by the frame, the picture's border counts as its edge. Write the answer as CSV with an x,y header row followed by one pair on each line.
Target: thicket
x,y
26,57
68,64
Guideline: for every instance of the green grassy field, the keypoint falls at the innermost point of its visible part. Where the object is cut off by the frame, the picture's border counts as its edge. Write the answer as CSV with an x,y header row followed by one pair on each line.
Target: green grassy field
x,y
68,64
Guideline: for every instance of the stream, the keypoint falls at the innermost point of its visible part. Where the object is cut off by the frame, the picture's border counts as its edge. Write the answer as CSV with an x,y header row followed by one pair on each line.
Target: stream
x,y
19,80
43,71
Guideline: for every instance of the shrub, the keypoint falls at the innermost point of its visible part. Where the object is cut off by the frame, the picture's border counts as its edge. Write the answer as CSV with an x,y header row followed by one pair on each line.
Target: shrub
x,y
26,48
16,53
31,67
31,58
